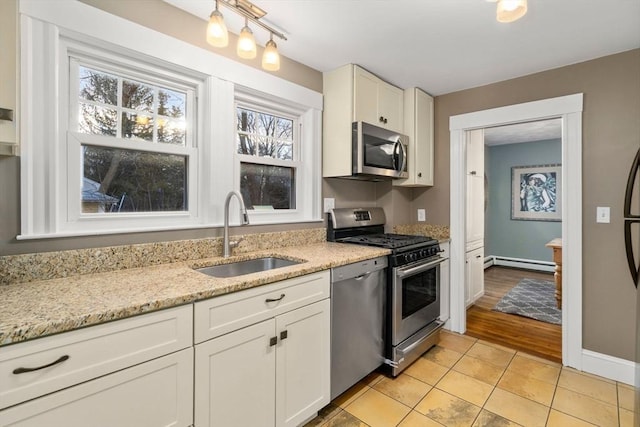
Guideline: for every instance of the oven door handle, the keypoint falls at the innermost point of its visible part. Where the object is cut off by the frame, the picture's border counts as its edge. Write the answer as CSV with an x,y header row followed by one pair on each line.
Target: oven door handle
x,y
402,272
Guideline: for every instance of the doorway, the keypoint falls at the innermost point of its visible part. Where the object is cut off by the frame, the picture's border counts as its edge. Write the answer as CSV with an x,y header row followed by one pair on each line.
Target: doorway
x,y
522,190
569,110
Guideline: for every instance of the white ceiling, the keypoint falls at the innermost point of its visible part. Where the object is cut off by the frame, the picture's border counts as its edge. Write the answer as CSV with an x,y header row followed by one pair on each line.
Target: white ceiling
x,y
524,132
441,46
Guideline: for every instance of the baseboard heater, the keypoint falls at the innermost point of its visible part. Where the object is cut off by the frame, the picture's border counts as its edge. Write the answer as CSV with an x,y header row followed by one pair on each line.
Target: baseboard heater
x,y
529,264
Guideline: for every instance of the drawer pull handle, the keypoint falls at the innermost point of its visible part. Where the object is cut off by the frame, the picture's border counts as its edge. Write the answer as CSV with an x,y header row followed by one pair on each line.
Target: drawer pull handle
x,y
274,299
283,335
55,362
273,341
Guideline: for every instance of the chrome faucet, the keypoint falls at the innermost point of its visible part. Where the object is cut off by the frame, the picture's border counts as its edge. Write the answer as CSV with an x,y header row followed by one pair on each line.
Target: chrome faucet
x,y
244,220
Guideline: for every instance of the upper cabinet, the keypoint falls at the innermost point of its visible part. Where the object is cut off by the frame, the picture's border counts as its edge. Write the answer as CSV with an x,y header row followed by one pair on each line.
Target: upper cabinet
x,y
475,189
376,101
351,94
418,126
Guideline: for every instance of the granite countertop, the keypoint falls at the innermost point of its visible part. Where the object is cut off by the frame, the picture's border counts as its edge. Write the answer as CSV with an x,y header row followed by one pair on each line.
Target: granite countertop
x,y
43,307
438,232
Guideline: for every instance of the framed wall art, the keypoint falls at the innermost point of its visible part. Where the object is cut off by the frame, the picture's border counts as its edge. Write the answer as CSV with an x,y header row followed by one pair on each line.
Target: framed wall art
x,y
536,193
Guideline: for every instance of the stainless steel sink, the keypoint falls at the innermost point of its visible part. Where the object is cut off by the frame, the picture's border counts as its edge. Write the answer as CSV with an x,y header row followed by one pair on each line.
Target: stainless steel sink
x,y
240,268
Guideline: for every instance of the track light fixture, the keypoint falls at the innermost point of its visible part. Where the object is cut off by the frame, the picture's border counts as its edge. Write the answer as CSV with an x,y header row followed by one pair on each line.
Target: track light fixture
x,y
510,10
218,36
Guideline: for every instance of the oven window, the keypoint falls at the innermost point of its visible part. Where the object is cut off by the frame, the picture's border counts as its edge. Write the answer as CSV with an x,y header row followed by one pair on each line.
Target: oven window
x,y
419,291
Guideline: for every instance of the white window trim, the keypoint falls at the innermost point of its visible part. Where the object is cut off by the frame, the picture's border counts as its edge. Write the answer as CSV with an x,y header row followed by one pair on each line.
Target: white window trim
x,y
44,23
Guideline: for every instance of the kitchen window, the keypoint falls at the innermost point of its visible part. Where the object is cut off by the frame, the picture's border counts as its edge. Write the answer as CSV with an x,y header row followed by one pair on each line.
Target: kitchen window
x,y
267,151
124,129
134,137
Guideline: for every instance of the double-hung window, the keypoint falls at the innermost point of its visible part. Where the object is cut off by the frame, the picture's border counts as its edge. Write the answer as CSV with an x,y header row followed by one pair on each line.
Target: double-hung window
x,y
134,139
267,148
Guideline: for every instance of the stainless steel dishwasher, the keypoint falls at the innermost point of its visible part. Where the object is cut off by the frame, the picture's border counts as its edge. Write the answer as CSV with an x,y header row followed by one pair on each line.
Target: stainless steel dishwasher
x,y
358,294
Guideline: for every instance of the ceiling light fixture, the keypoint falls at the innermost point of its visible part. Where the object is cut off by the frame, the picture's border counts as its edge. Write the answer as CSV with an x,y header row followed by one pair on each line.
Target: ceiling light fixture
x,y
510,10
217,34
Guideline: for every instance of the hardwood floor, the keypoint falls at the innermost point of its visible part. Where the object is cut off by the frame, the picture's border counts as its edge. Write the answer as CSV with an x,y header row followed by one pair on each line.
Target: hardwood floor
x,y
538,338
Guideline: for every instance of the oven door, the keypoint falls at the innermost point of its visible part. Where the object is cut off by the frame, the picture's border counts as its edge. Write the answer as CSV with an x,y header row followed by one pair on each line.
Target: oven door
x,y
415,298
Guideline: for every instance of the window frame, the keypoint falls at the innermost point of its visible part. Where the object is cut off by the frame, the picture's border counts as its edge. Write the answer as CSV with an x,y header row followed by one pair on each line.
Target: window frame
x,y
76,139
260,105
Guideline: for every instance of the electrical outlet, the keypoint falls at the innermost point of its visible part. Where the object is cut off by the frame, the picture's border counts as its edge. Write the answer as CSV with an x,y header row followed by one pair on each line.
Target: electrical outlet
x,y
329,203
603,214
422,215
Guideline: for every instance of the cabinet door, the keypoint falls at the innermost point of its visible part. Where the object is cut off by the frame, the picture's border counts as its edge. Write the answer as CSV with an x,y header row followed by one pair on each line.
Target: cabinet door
x,y
235,378
302,363
155,393
418,126
475,189
390,106
474,277
366,97
475,211
423,152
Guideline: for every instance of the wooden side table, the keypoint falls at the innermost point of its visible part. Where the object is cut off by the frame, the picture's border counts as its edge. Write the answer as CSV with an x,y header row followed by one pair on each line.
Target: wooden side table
x,y
556,245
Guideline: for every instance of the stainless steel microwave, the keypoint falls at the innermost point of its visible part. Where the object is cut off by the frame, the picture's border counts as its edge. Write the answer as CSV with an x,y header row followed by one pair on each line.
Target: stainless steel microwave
x,y
378,153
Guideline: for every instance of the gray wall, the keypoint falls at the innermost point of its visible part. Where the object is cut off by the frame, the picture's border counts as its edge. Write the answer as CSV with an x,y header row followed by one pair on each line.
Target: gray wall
x,y
503,235
610,139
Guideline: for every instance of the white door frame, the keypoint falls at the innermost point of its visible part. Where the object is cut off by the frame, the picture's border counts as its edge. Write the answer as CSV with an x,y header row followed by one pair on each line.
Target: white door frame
x,y
569,109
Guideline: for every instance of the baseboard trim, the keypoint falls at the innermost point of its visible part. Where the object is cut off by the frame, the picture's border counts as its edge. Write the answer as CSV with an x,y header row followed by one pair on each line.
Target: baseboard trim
x,y
528,264
610,367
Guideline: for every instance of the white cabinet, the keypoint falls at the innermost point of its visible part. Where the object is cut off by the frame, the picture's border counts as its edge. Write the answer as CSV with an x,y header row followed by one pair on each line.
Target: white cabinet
x,y
475,190
376,101
155,393
418,126
351,94
268,346
135,371
445,285
474,276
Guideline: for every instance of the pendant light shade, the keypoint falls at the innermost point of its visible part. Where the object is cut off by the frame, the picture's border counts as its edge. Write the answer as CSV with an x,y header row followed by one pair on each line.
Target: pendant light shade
x,y
271,57
246,43
510,10
217,34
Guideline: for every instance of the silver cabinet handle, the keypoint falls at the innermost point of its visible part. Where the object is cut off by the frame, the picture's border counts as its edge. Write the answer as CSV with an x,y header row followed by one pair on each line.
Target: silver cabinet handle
x,y
61,359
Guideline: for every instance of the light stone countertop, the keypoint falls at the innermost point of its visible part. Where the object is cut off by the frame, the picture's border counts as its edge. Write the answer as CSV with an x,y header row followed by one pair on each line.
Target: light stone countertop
x,y
43,307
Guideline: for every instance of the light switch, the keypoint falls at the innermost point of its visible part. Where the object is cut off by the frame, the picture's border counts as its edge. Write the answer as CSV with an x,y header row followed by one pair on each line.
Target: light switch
x,y
329,203
603,214
422,215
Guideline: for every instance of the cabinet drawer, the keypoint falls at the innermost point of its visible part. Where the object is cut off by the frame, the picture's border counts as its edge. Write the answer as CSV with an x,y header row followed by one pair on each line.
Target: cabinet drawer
x,y
92,352
152,394
226,313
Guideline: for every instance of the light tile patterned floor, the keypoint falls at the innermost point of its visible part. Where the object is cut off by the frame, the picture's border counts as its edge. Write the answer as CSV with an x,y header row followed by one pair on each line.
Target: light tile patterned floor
x,y
468,382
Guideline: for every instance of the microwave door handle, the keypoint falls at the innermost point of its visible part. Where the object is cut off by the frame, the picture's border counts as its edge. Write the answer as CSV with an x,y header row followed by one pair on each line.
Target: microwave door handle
x,y
404,156
399,156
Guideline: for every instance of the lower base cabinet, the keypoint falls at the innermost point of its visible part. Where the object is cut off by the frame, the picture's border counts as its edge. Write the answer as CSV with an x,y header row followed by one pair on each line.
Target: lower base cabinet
x,y
152,394
273,373
474,275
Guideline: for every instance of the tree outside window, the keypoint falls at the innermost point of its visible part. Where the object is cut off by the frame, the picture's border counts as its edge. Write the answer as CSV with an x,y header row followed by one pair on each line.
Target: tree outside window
x,y
133,180
267,162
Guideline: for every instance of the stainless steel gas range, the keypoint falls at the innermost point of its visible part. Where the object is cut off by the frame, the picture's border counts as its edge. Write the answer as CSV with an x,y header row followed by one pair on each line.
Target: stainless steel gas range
x,y
413,282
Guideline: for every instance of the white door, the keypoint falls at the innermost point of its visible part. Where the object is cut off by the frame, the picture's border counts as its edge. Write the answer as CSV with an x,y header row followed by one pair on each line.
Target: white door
x,y
235,378
302,363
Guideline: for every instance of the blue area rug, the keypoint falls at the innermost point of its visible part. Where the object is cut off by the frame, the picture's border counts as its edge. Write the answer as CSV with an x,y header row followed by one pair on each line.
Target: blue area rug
x,y
532,298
